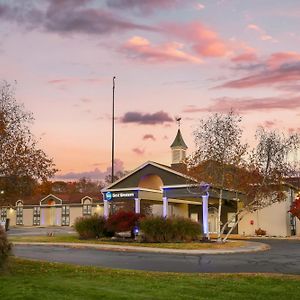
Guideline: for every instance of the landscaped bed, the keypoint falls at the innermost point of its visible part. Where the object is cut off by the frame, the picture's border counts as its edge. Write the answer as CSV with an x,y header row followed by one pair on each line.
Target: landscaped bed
x,y
75,239
24,279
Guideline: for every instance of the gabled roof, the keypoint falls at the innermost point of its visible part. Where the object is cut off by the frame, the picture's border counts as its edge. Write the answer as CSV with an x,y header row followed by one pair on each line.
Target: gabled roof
x,y
75,198
152,163
178,141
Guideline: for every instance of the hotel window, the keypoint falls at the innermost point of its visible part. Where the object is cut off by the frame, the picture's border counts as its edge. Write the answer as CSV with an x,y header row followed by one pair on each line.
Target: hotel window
x,y
87,208
36,216
19,214
3,214
65,215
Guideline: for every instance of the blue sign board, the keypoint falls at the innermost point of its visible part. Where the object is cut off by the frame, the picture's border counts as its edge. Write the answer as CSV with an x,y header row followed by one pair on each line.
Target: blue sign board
x,y
109,196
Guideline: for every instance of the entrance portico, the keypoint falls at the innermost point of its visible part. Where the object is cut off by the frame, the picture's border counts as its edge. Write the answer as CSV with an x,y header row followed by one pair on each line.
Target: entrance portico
x,y
168,194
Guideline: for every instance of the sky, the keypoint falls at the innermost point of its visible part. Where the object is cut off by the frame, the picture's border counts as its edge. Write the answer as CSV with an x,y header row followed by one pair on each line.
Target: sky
x,y
171,58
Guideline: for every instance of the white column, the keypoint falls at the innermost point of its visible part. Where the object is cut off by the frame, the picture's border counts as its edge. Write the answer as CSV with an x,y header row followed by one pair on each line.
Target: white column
x,y
165,207
105,209
137,205
205,215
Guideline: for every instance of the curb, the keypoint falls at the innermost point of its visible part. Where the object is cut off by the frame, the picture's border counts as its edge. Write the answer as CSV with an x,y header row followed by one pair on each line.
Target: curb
x,y
251,247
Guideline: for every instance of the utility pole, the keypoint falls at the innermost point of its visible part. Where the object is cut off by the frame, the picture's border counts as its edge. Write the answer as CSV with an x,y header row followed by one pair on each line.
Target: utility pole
x,y
113,133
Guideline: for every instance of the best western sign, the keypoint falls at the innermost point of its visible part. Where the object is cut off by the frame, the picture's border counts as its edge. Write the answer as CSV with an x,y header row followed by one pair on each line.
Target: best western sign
x,y
109,196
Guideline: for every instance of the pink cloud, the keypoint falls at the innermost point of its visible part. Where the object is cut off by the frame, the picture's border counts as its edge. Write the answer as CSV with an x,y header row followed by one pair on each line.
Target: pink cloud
x,y
199,6
294,130
149,137
141,49
159,117
278,58
204,41
254,27
71,81
289,72
247,104
68,17
245,57
144,6
262,33
138,151
269,124
95,174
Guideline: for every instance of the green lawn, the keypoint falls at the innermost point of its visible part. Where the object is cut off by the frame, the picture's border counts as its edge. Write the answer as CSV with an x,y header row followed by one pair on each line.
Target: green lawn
x,y
36,280
75,239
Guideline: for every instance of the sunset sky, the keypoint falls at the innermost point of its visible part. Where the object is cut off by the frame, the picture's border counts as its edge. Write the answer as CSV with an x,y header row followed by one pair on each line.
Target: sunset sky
x,y
171,58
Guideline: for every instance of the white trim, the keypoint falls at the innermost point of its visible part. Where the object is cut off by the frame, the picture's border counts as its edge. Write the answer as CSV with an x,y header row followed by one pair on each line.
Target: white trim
x,y
85,198
136,189
178,186
180,201
50,195
143,166
19,201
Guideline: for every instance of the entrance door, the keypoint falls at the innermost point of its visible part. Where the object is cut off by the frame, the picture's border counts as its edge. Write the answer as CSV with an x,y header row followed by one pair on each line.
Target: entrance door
x,y
212,220
50,213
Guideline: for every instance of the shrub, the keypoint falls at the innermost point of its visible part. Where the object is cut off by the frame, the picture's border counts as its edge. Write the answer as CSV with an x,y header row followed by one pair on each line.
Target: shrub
x,y
260,231
90,227
122,221
177,229
5,247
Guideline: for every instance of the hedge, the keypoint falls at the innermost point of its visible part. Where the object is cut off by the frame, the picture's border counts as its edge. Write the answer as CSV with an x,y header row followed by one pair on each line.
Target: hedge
x,y
90,227
5,247
176,229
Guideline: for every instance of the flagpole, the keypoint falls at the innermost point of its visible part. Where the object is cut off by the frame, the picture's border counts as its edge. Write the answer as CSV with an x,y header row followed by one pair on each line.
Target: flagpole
x,y
113,133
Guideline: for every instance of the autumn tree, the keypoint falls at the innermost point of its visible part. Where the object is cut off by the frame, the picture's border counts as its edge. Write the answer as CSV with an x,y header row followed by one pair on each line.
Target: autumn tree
x,y
268,167
295,207
83,186
21,159
219,149
117,176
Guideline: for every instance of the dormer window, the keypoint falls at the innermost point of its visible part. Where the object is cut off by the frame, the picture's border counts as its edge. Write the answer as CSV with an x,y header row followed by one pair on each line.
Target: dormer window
x,y
87,207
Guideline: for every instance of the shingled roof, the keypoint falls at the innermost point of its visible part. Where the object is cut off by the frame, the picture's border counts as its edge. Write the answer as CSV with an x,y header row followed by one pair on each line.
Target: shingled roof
x,y
178,141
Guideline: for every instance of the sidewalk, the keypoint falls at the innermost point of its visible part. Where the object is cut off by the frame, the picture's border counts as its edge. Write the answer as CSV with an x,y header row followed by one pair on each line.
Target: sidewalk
x,y
249,247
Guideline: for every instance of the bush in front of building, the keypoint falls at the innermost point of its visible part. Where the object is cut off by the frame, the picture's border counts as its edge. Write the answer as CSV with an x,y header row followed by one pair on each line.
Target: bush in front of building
x,y
260,231
5,247
122,221
176,229
90,227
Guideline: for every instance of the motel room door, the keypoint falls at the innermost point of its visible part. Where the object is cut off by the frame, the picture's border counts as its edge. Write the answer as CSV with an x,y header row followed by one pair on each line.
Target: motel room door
x,y
50,214
212,219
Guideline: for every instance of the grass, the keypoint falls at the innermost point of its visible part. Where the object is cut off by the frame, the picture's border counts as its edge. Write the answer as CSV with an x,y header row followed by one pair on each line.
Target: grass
x,y
26,279
75,239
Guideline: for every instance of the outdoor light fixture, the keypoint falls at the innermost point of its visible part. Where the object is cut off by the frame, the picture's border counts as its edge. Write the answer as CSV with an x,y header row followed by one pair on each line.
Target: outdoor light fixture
x,y
136,231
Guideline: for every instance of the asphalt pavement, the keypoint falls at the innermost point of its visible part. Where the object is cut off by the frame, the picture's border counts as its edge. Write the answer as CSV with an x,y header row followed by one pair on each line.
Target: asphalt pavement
x,y
282,257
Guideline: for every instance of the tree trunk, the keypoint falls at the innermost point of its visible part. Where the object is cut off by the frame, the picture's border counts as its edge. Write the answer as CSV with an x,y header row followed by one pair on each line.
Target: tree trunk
x,y
219,215
229,232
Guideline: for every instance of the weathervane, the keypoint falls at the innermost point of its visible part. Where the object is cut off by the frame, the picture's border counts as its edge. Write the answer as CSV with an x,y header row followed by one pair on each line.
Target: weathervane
x,y
178,119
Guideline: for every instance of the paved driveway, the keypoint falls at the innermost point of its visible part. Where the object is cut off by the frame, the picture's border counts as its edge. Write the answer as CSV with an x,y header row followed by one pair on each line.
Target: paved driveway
x,y
283,257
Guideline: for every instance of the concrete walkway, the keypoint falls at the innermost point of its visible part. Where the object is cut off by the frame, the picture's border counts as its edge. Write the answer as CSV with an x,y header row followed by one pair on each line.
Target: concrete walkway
x,y
249,247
